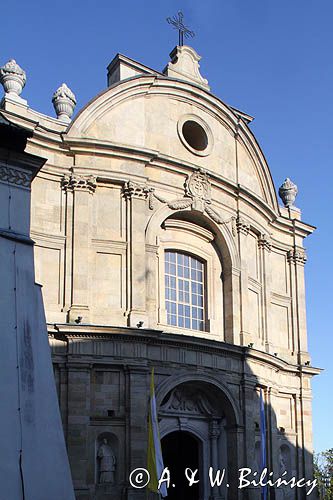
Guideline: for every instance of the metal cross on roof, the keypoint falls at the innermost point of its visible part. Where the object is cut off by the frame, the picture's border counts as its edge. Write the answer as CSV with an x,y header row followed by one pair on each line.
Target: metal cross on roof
x,y
177,23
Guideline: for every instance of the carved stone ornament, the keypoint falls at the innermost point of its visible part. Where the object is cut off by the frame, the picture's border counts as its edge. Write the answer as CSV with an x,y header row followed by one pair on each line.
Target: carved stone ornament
x,y
64,102
79,182
197,196
14,176
107,463
297,256
264,242
185,65
135,190
214,429
187,401
242,226
288,192
197,187
12,78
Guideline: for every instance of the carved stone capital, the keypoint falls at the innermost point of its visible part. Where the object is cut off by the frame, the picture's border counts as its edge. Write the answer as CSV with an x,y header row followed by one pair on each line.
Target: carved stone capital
x,y
297,256
79,183
214,429
15,176
264,242
242,226
135,190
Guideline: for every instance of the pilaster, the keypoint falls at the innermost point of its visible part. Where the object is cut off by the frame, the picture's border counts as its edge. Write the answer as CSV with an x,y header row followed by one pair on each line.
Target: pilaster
x,y
297,259
243,229
78,419
136,195
137,424
264,245
79,190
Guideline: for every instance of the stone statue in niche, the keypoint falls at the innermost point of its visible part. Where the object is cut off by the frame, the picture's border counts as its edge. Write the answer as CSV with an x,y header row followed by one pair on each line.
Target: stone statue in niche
x,y
107,463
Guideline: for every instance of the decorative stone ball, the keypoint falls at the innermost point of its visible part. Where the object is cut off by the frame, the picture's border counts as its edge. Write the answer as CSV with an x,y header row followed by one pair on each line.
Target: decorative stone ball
x,y
288,192
64,102
12,78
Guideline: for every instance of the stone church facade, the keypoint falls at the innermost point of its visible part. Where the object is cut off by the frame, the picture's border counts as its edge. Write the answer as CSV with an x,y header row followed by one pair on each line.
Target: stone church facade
x,y
160,243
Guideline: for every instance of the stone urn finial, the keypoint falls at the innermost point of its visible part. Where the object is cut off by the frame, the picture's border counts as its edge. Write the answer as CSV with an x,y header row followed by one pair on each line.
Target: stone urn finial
x,y
64,102
288,192
12,78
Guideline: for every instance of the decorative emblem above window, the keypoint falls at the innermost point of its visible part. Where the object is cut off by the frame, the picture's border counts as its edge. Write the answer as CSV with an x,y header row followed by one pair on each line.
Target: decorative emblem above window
x,y
197,187
197,196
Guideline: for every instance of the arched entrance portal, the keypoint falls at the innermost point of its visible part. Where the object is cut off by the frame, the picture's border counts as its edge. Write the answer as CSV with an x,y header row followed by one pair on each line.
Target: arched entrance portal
x,y
198,430
181,450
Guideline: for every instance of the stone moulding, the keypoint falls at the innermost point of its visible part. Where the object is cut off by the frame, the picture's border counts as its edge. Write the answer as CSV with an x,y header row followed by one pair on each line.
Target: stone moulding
x,y
15,176
79,183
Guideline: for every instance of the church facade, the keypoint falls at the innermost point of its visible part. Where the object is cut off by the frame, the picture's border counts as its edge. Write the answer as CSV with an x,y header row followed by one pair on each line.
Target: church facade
x,y
160,243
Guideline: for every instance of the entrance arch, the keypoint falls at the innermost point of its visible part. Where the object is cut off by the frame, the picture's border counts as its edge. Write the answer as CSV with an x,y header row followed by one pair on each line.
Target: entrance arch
x,y
182,450
197,419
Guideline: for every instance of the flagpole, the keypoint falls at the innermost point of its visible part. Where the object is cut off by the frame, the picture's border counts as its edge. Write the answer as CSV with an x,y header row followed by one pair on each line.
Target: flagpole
x,y
155,463
263,442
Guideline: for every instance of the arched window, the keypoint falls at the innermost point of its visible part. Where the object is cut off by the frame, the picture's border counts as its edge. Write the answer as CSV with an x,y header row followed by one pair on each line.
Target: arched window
x,y
184,290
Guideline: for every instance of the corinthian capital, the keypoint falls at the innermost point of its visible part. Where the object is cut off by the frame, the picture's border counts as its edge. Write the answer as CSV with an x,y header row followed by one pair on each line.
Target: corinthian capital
x,y
79,183
242,226
135,190
297,256
264,242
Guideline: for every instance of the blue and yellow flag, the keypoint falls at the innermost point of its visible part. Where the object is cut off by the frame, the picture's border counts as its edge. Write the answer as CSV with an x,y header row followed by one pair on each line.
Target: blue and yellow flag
x,y
155,464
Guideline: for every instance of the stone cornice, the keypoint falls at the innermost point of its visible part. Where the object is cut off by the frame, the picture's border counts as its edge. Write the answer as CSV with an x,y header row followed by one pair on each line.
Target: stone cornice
x,y
66,331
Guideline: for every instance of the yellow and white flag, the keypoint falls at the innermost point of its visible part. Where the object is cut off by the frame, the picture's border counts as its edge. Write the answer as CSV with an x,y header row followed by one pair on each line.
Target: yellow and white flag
x,y
155,464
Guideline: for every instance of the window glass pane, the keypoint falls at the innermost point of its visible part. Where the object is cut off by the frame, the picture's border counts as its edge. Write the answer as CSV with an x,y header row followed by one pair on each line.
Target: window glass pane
x,y
184,290
172,256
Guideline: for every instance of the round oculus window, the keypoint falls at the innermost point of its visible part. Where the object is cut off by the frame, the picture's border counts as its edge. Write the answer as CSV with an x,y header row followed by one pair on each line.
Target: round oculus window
x,y
195,134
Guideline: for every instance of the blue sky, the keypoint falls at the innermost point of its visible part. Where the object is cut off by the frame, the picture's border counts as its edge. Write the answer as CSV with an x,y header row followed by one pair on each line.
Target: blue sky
x,y
271,59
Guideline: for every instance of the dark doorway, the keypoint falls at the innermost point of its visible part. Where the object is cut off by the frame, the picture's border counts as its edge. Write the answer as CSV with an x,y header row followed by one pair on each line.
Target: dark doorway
x,y
180,451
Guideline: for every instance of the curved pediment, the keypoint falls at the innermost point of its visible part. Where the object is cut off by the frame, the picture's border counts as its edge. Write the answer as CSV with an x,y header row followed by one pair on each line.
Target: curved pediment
x,y
164,116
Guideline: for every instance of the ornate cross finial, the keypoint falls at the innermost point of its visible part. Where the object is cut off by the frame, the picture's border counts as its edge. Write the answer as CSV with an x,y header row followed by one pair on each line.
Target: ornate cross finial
x,y
183,31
